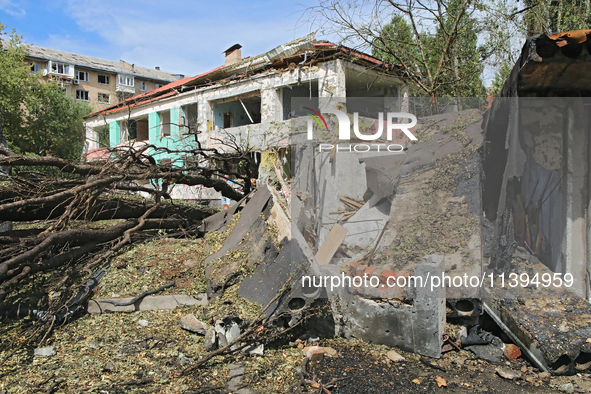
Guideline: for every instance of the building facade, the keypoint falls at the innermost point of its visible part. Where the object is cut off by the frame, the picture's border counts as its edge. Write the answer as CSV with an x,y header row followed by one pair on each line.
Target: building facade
x,y
99,82
246,100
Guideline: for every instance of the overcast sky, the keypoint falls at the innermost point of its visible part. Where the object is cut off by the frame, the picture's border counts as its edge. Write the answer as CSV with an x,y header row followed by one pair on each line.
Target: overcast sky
x,y
179,36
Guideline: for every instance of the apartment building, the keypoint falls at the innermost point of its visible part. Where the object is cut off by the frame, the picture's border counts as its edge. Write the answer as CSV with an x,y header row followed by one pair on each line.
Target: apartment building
x,y
99,82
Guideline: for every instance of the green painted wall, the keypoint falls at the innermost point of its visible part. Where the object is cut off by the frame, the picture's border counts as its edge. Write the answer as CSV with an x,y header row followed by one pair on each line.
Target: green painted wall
x,y
114,133
175,120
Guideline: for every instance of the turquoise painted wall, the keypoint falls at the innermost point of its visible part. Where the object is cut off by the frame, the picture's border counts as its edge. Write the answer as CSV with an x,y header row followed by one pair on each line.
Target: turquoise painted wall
x,y
114,133
175,119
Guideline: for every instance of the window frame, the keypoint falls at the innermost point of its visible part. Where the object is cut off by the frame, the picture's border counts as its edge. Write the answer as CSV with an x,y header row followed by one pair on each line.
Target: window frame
x,y
86,95
103,95
55,68
143,86
84,74
124,80
107,79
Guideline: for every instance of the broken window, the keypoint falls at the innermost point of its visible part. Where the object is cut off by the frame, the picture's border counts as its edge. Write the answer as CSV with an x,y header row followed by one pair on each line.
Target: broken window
x,y
128,130
60,68
126,80
104,98
159,85
143,87
238,111
103,79
34,68
82,76
306,90
82,95
165,124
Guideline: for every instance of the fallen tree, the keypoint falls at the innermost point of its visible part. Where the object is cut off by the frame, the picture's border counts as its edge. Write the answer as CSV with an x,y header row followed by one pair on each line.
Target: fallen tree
x,y
73,205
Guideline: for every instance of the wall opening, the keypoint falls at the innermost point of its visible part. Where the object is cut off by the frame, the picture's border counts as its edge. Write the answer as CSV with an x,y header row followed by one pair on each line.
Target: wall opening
x,y
379,93
237,111
306,90
164,123
189,118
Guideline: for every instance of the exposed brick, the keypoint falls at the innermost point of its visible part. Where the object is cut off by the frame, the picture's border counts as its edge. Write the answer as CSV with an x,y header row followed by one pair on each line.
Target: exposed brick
x,y
512,351
314,353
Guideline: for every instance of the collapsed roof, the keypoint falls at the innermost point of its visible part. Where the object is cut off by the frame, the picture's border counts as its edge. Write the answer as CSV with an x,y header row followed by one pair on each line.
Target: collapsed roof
x,y
305,51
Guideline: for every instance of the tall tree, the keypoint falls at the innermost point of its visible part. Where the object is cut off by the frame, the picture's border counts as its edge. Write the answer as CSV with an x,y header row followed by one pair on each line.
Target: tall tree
x,y
36,118
434,42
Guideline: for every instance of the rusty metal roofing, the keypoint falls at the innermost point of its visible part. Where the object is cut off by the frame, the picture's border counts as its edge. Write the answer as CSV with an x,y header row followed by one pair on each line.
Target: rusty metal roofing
x,y
570,37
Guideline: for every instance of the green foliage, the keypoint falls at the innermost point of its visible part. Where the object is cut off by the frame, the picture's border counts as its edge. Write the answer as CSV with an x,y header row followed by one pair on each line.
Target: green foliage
x,y
15,81
37,118
104,137
443,70
500,78
543,16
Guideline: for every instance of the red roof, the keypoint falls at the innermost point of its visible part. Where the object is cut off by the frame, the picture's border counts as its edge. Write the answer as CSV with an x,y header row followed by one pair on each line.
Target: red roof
x,y
159,93
100,154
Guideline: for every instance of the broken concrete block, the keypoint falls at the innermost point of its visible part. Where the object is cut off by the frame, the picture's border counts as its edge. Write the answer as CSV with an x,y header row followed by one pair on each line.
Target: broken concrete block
x,y
567,388
149,303
507,373
415,328
254,350
512,352
210,340
46,351
220,331
233,332
235,372
394,356
190,323
184,359
314,353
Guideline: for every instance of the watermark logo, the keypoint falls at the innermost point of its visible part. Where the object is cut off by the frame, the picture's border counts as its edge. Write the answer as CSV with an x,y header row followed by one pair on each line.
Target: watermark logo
x,y
345,125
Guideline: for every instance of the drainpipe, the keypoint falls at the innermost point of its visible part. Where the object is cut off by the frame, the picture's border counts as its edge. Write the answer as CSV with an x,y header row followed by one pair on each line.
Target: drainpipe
x,y
300,67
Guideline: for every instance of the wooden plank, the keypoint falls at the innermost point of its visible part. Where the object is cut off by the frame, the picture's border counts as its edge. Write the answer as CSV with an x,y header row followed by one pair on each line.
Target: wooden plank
x,y
331,244
278,172
351,202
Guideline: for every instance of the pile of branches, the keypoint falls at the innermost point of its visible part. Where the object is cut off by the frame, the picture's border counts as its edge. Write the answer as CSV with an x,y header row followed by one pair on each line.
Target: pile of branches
x,y
84,214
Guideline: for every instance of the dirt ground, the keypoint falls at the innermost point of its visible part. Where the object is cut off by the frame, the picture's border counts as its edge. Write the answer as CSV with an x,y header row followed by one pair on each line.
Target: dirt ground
x,y
114,354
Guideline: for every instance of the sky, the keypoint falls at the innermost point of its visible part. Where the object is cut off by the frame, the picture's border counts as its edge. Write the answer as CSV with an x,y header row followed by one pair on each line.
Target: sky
x,y
179,36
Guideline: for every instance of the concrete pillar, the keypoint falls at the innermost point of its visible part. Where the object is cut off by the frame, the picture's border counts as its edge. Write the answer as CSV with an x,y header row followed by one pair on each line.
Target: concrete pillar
x,y
575,236
331,84
175,119
404,103
270,106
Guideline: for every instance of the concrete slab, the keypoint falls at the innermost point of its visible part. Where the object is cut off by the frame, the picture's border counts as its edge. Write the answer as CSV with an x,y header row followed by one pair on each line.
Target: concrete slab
x,y
415,328
149,303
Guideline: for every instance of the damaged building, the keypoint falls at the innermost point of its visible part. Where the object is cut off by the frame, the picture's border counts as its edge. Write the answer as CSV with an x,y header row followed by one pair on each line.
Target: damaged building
x,y
536,195
475,196
248,99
